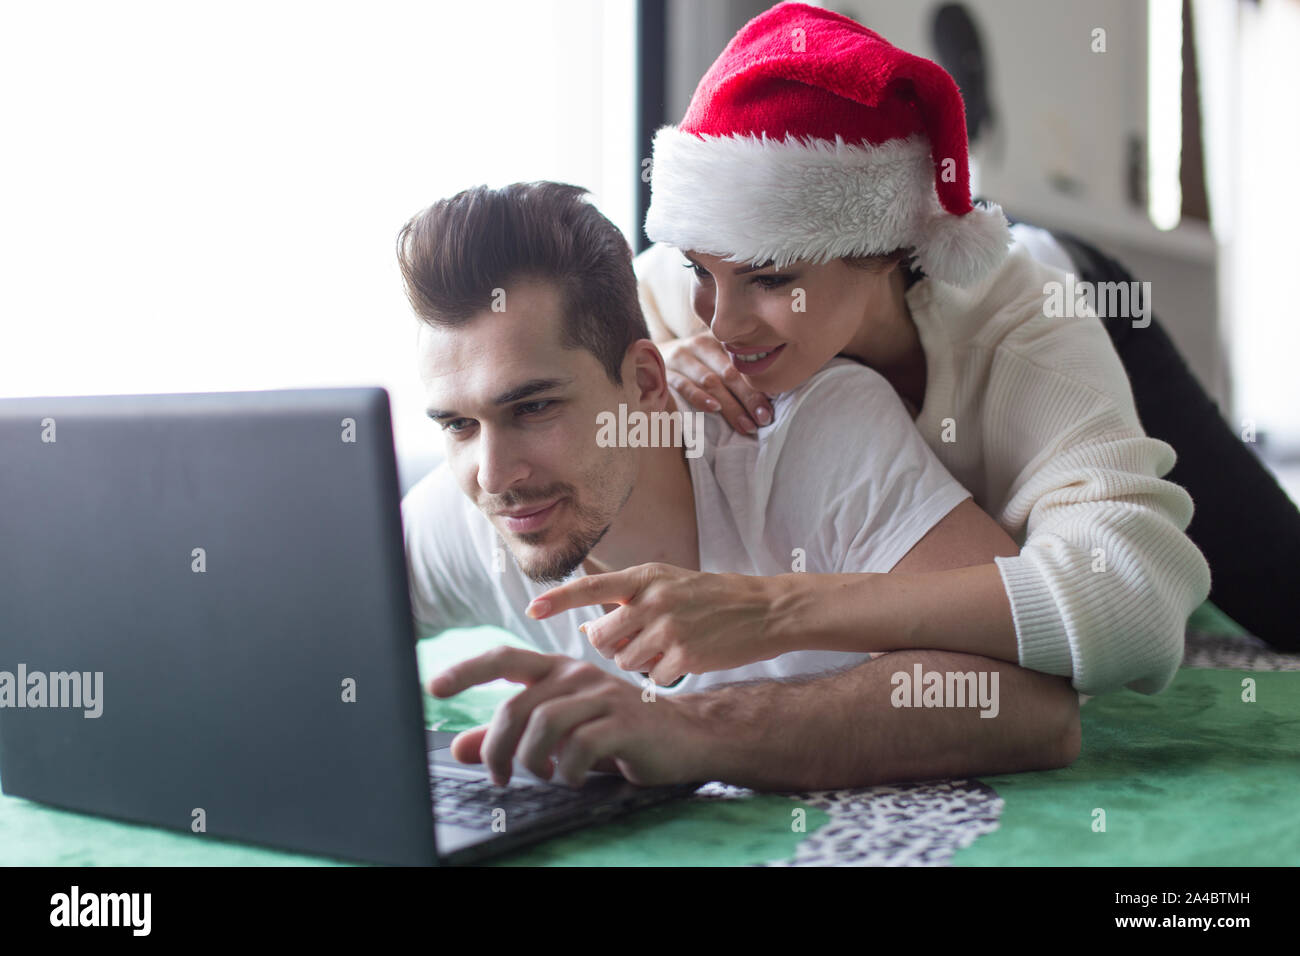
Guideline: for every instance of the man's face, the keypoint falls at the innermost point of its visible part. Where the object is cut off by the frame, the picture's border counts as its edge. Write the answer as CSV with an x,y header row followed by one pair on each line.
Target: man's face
x,y
519,415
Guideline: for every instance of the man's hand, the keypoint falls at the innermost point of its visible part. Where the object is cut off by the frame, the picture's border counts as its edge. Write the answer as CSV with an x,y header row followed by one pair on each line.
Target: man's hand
x,y
672,621
587,717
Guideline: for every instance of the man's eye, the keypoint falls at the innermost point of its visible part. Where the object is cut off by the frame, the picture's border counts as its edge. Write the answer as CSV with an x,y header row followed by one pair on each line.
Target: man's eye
x,y
457,424
699,271
773,282
532,408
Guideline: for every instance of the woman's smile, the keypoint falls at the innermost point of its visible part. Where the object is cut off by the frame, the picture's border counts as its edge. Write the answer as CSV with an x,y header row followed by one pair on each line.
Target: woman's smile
x,y
752,361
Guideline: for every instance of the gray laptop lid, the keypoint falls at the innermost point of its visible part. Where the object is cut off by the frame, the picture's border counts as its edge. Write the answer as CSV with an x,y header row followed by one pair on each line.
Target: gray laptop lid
x,y
265,684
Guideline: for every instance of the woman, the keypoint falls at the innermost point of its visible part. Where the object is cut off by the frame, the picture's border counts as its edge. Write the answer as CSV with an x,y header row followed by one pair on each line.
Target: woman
x,y
814,161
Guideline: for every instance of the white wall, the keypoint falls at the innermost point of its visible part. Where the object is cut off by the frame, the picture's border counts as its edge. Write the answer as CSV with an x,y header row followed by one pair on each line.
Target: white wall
x,y
1065,114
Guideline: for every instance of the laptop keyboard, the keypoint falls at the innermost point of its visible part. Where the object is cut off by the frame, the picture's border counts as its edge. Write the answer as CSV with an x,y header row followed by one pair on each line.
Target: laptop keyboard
x,y
470,803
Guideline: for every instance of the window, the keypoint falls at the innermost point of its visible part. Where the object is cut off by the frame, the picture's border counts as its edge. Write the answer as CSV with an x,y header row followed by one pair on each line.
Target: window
x,y
206,196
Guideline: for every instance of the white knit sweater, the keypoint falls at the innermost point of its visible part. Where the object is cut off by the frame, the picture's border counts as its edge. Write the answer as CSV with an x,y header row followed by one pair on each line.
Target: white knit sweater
x,y
1047,440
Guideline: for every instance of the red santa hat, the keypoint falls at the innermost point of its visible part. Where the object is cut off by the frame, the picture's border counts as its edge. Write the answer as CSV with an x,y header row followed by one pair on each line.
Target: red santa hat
x,y
812,137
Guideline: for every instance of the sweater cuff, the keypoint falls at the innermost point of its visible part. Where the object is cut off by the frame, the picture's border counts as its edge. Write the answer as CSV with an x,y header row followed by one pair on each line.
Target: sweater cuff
x,y
1043,642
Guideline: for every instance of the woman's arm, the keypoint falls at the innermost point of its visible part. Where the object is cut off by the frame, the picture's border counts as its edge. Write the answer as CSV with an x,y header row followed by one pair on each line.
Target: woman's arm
x,y
1106,576
962,609
1102,587
945,594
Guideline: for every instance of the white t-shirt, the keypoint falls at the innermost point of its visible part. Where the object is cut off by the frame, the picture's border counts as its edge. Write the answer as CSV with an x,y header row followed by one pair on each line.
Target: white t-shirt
x,y
806,482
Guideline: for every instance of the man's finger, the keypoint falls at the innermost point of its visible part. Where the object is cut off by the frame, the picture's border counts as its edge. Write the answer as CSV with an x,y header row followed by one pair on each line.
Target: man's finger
x,y
588,746
465,746
553,721
501,743
507,726
612,587
515,664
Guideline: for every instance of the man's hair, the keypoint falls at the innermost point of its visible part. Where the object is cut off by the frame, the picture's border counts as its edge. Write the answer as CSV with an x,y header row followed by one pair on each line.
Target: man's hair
x,y
458,251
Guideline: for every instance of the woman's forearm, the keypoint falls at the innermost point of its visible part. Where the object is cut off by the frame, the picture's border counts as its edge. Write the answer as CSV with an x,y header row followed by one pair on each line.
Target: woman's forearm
x,y
962,609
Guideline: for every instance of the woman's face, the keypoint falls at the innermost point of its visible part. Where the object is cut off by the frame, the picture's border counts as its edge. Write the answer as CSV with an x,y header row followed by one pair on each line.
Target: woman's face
x,y
781,326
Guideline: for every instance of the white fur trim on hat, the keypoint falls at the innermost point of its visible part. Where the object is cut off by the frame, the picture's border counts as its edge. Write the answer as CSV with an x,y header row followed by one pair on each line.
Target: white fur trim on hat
x,y
751,199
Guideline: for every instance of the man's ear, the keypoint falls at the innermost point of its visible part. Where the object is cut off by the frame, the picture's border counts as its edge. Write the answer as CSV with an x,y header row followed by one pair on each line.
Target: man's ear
x,y
643,369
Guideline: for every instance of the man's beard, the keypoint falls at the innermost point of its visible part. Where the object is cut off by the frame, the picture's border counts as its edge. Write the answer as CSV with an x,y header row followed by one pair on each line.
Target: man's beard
x,y
591,528
556,567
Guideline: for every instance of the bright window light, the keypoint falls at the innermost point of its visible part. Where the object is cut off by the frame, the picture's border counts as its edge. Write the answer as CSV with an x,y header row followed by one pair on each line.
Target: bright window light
x,y
206,196
1164,111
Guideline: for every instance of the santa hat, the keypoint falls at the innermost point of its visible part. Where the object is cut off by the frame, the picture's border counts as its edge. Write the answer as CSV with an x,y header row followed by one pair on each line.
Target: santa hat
x,y
811,137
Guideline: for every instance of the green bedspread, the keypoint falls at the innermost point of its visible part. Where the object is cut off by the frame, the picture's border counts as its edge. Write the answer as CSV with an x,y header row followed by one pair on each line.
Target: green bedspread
x,y
1192,776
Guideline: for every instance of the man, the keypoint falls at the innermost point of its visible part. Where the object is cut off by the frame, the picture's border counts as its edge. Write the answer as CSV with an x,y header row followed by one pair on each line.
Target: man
x,y
531,337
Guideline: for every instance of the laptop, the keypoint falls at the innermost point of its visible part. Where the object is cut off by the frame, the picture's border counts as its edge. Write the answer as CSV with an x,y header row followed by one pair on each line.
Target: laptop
x,y
206,626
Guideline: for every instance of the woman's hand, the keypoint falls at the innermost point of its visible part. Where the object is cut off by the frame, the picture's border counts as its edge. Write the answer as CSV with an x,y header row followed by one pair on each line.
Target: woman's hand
x,y
702,370
672,622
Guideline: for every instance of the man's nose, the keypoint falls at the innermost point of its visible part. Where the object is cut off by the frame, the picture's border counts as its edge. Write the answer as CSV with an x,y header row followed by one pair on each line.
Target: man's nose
x,y
500,462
